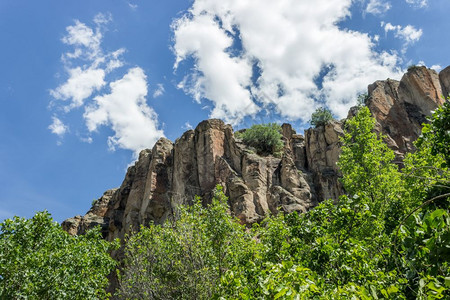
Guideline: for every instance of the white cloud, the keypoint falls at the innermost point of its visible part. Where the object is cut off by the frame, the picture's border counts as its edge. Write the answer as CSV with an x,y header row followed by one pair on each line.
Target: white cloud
x,y
159,90
187,126
132,6
102,19
126,111
80,85
223,77
409,34
57,127
377,7
418,3
85,39
437,68
292,42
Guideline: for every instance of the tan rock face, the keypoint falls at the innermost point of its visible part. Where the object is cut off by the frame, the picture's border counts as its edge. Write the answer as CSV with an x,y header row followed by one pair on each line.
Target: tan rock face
x,y
94,217
400,107
171,174
444,77
322,151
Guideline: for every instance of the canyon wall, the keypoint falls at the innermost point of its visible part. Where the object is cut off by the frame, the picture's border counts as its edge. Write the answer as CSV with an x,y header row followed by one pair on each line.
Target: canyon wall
x,y
172,173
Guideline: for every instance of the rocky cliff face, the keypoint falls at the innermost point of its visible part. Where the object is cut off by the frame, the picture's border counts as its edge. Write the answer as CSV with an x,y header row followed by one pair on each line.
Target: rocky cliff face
x,y
400,107
172,174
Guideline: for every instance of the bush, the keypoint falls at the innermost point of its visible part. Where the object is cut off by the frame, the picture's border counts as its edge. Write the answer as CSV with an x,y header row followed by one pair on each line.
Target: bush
x,y
321,117
265,138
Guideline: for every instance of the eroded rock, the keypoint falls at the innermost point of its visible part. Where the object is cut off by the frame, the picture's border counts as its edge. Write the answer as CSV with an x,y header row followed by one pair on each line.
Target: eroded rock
x,y
305,174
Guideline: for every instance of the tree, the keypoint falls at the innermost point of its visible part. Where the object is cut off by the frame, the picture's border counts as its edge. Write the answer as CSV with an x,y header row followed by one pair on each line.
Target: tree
x,y
366,163
436,134
265,138
39,260
185,258
320,117
421,241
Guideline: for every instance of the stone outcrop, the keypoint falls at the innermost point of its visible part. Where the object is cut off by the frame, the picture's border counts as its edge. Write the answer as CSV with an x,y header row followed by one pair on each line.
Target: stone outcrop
x,y
95,216
401,107
173,174
306,173
322,146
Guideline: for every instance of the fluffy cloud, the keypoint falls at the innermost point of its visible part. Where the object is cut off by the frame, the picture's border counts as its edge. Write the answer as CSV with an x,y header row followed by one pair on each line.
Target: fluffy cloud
x,y
123,108
80,85
437,68
284,56
409,34
57,127
377,7
126,111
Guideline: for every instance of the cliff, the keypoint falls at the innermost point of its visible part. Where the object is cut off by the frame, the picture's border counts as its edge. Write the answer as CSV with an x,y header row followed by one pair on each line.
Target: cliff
x,y
171,174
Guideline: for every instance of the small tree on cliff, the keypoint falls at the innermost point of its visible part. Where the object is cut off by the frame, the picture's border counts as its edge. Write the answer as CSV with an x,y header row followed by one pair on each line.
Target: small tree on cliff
x,y
265,138
39,260
320,117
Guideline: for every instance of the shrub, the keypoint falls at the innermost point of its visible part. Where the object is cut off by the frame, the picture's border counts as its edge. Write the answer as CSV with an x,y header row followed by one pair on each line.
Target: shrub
x,y
321,117
413,68
265,138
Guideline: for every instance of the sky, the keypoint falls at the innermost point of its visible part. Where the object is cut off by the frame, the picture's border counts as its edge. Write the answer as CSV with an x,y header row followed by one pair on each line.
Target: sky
x,y
85,85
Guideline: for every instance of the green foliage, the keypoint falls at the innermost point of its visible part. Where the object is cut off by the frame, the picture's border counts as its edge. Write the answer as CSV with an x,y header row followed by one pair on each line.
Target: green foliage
x,y
436,135
185,258
38,260
413,68
387,238
320,117
366,164
265,138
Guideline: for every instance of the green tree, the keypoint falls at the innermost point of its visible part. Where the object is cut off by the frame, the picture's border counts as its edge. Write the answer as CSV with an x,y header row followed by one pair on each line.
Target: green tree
x,y
38,260
320,117
421,242
265,138
366,164
185,258
436,134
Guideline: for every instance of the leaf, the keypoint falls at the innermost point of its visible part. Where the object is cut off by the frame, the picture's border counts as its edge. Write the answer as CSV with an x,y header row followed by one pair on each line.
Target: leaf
x,y
281,293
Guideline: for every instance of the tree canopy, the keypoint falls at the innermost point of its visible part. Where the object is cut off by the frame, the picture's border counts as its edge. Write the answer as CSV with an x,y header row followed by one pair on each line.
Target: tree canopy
x,y
39,260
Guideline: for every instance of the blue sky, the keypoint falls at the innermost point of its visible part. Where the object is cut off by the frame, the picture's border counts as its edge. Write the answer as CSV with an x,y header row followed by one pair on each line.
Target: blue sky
x,y
84,85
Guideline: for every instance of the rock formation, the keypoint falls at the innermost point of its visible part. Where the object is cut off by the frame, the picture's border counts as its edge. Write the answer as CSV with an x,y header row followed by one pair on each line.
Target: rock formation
x,y
172,174
400,107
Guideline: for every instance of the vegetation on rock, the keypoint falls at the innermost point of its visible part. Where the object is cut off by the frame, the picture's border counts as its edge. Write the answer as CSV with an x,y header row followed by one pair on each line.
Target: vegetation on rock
x,y
320,117
265,138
